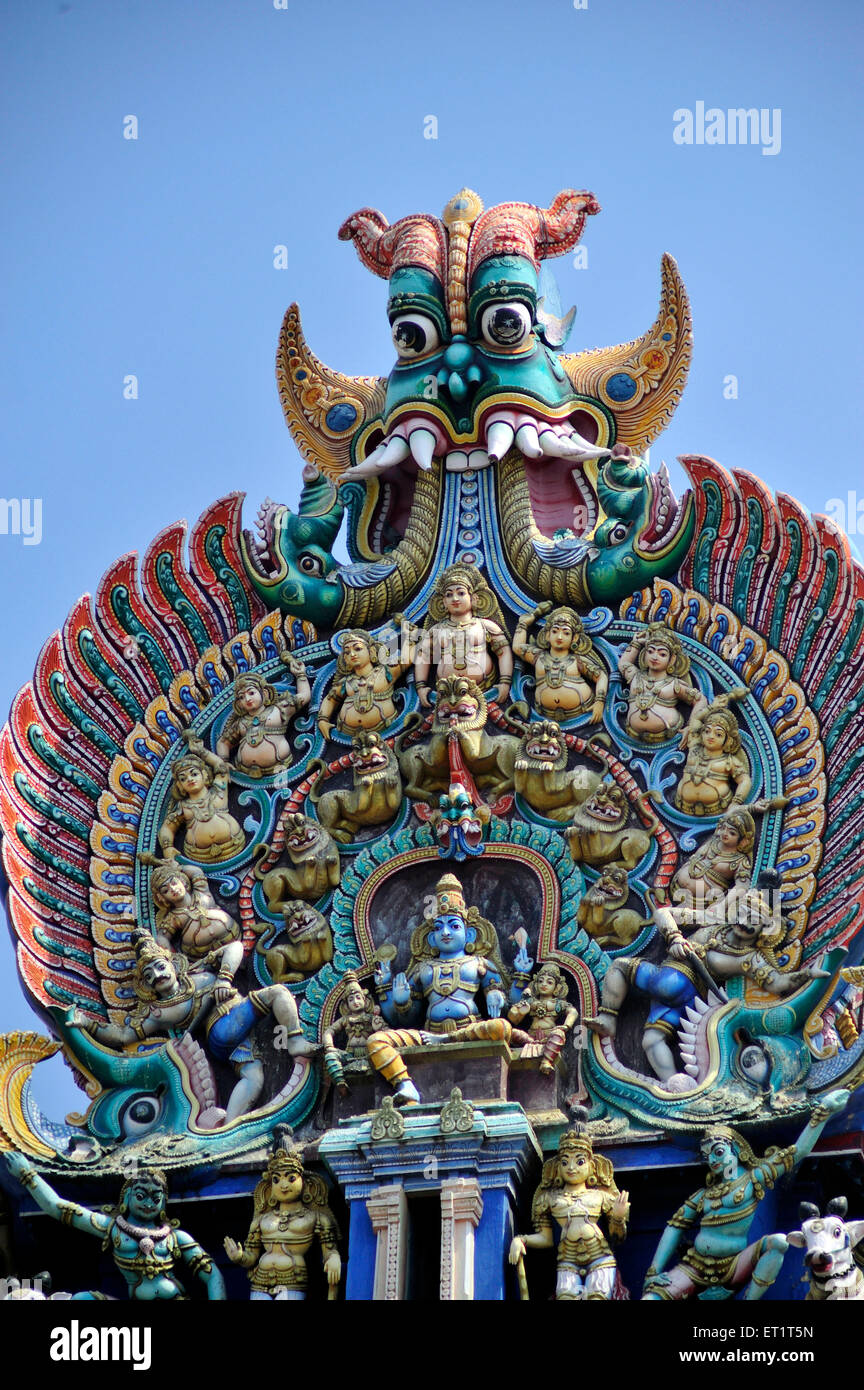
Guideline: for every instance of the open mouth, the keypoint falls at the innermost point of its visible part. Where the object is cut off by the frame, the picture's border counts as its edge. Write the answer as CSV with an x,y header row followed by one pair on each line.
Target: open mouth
x,y
370,764
299,842
260,549
555,453
608,895
543,752
559,463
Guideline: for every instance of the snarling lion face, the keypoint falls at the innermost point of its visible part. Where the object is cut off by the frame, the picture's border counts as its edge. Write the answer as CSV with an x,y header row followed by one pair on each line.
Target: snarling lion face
x,y
461,704
301,834
612,887
543,747
301,920
370,756
606,810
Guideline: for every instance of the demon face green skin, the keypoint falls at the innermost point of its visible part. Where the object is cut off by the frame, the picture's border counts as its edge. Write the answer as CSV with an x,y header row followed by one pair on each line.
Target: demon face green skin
x,y
477,377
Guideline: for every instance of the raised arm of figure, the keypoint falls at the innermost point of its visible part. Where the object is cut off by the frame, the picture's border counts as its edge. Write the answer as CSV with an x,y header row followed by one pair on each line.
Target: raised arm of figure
x,y
92,1223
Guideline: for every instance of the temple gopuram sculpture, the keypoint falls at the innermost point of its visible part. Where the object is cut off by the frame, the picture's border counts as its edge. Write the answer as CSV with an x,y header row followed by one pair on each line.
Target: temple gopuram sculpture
x,y
718,1217
447,971
569,680
290,1212
486,784
256,732
655,668
465,635
577,1191
145,1245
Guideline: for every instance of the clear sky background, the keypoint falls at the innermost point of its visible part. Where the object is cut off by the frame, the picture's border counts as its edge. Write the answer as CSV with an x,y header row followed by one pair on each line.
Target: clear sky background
x,y
261,127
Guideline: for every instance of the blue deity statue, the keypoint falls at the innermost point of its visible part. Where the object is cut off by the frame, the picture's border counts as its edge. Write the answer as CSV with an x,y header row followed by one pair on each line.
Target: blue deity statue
x,y
454,958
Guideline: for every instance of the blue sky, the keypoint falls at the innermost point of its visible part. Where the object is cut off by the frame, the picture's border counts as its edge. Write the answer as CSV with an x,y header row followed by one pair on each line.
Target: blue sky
x,y
260,127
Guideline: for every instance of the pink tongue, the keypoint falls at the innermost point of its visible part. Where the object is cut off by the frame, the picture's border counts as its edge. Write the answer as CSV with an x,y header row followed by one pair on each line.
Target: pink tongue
x,y
554,496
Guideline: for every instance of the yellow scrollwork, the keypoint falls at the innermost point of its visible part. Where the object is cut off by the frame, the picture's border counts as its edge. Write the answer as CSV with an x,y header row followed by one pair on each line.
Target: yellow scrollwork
x,y
19,1053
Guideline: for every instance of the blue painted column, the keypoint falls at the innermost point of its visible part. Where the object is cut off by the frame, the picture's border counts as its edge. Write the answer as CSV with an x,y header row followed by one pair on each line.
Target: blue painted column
x,y
493,1151
360,1276
491,1245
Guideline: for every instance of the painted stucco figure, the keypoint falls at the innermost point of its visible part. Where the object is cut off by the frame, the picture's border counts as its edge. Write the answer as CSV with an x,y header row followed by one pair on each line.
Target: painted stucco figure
x,y
541,1005
376,794
655,669
199,807
174,996
188,919
717,1218
360,697
454,958
357,1019
465,637
740,941
570,680
577,1192
255,733
724,860
290,1213
601,831
582,517
541,775
716,773
146,1246
309,868
459,731
304,944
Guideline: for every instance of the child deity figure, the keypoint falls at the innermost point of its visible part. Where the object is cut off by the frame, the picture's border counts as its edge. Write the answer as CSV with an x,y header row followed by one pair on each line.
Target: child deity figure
x,y
199,802
577,1191
570,679
446,972
544,1001
465,630
187,918
725,860
655,668
361,693
290,1211
716,774
256,730
358,1019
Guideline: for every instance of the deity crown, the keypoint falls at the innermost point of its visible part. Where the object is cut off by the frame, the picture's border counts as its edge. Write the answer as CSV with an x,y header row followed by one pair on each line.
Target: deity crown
x,y
575,1143
286,1161
147,948
448,896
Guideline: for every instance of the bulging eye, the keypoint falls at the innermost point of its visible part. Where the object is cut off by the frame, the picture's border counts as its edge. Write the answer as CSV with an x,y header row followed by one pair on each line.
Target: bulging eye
x,y
310,564
506,325
613,532
414,335
140,1114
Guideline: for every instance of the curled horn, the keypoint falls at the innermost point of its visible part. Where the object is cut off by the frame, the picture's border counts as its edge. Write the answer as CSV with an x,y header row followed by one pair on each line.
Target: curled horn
x,y
414,240
808,1212
366,229
352,401
560,225
838,1206
525,230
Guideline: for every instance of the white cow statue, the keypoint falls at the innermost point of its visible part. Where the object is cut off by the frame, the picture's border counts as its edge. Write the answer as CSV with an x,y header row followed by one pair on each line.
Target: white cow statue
x,y
829,1241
